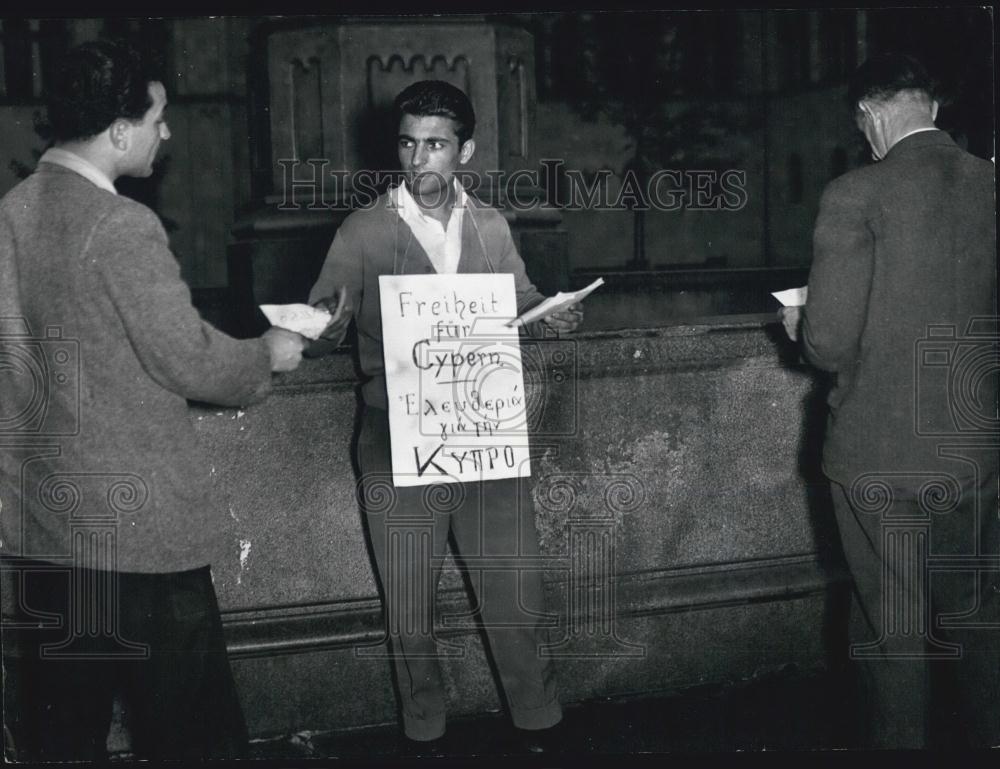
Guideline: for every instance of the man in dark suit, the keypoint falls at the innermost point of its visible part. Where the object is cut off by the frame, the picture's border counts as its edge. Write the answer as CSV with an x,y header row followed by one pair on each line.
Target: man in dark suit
x,y
901,306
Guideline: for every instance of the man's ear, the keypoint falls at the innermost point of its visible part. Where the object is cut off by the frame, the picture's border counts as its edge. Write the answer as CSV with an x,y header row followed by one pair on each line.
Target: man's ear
x,y
867,108
119,133
465,154
934,109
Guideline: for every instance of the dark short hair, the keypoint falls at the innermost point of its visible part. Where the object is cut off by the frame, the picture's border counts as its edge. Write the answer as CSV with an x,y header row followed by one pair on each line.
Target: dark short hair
x,y
95,84
436,98
882,77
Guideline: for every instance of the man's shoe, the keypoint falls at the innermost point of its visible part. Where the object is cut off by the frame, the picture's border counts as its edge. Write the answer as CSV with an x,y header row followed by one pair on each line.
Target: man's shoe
x,y
435,748
546,741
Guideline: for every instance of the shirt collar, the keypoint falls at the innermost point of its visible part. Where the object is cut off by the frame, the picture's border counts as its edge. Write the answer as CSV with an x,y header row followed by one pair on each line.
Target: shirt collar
x,y
915,131
409,208
79,165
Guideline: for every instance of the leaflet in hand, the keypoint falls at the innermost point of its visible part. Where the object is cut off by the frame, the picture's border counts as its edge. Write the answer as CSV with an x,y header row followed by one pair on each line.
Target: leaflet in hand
x,y
554,304
300,318
792,297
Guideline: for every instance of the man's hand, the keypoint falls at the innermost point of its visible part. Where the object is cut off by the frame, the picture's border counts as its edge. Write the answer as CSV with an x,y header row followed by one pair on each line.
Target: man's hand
x,y
285,348
565,321
791,319
339,306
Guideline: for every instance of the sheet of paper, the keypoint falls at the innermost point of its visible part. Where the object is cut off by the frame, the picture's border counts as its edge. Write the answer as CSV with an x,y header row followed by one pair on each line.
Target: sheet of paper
x,y
560,301
792,297
300,318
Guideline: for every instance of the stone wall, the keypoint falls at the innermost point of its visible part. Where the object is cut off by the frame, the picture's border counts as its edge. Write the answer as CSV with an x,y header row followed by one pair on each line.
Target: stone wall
x,y
686,453
203,172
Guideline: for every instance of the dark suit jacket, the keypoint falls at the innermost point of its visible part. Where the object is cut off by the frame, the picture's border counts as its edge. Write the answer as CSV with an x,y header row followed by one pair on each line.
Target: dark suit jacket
x,y
904,258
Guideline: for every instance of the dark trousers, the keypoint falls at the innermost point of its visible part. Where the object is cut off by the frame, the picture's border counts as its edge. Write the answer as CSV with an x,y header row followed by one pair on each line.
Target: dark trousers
x,y
408,526
83,637
915,691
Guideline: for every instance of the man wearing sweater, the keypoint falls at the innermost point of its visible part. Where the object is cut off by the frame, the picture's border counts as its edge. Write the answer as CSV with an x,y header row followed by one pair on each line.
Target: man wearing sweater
x,y
902,307
109,517
429,225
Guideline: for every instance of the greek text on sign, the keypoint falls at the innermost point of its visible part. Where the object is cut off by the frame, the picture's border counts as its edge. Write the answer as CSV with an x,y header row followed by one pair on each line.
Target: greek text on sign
x,y
457,408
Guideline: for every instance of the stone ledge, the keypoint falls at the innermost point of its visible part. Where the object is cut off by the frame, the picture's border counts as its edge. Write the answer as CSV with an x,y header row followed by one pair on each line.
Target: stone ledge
x,y
711,342
290,629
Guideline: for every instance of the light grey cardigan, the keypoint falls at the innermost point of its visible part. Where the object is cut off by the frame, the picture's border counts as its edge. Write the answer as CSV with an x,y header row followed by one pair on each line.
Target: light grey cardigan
x,y
96,441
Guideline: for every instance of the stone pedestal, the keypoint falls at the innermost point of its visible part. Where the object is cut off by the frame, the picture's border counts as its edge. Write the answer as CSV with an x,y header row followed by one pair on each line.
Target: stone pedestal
x,y
332,87
323,110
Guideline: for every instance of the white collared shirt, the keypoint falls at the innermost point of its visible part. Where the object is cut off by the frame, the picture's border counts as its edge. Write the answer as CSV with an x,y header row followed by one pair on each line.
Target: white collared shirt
x,y
442,244
77,164
915,131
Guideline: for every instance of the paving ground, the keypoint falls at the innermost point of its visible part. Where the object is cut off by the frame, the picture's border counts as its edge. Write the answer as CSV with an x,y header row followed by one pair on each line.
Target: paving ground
x,y
787,711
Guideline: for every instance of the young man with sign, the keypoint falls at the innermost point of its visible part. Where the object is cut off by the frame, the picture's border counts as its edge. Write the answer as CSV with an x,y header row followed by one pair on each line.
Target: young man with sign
x,y
429,226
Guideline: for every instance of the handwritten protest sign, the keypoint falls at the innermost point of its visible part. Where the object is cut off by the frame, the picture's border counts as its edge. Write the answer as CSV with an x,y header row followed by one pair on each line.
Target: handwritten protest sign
x,y
454,378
